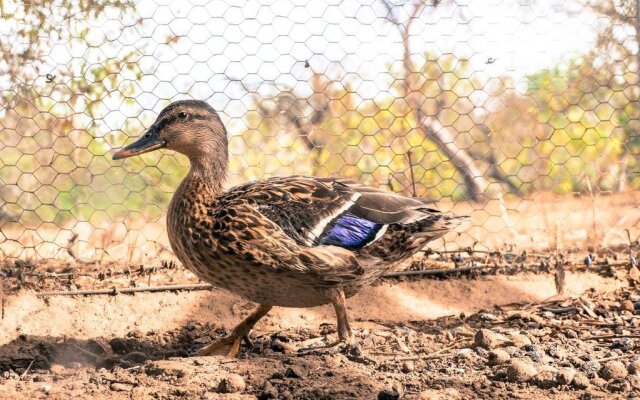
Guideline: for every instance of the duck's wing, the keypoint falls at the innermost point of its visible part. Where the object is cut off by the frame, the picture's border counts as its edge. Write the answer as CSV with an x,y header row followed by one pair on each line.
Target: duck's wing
x,y
325,211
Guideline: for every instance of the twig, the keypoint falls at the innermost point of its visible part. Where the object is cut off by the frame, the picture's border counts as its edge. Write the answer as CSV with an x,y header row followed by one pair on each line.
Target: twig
x,y
559,310
444,271
629,355
593,214
114,290
86,352
413,179
609,337
26,371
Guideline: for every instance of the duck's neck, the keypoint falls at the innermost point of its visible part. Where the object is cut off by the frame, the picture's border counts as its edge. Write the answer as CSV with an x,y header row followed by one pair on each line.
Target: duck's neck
x,y
208,173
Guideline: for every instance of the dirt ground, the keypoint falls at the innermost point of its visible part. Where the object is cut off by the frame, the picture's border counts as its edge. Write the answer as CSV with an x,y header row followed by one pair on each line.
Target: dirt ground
x,y
483,335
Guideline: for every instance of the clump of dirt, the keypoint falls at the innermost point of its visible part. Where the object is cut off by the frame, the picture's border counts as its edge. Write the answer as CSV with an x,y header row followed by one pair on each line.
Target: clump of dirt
x,y
565,347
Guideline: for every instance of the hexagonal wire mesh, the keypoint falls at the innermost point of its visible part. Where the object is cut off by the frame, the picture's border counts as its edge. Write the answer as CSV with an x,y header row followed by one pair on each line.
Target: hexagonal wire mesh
x,y
520,114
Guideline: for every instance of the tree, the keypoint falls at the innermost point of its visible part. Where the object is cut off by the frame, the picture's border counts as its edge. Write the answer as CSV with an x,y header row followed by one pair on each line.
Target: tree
x,y
428,122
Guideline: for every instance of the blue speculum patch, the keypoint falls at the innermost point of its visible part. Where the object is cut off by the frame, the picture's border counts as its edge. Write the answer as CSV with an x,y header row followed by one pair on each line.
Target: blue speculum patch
x,y
350,232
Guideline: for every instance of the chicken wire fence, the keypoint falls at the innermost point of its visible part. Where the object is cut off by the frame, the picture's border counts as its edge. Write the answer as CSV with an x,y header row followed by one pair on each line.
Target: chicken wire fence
x,y
522,114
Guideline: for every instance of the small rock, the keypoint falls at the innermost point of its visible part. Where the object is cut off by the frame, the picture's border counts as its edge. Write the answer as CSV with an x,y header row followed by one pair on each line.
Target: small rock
x,y
591,367
465,353
634,381
570,334
293,372
580,381
626,344
519,340
136,334
521,371
268,391
548,315
498,357
598,382
136,357
277,376
627,305
634,367
618,385
565,376
408,366
485,316
481,352
46,388
613,370
557,352
513,351
487,339
546,378
118,346
388,395
120,387
233,383
58,369
192,325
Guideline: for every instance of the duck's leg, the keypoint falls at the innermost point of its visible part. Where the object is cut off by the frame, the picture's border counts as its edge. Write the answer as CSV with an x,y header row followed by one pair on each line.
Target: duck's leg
x,y
345,334
230,345
346,337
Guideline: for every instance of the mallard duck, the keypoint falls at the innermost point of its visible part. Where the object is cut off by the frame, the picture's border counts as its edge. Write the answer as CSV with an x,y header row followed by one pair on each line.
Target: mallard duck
x,y
294,241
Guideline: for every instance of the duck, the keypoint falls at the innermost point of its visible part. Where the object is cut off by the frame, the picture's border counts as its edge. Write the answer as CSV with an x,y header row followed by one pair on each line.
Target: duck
x,y
294,241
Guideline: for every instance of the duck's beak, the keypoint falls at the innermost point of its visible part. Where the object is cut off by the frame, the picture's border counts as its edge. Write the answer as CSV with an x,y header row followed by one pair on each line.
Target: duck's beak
x,y
150,141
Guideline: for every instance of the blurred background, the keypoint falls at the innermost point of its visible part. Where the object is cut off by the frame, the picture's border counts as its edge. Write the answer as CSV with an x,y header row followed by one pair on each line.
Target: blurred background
x,y
522,114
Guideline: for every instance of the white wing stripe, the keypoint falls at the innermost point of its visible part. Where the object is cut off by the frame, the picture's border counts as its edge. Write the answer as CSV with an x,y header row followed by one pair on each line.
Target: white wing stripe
x,y
319,228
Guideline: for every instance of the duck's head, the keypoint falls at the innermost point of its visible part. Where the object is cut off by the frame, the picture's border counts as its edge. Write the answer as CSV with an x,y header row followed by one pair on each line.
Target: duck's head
x,y
190,127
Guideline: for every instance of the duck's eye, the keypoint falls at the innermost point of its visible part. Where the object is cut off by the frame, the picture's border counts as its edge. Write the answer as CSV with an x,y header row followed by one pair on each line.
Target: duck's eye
x,y
182,115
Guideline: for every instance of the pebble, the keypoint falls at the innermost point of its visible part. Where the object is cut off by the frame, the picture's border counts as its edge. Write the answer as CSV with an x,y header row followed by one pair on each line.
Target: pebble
x,y
136,357
233,383
581,381
598,382
485,316
618,385
547,378
498,357
625,344
120,387
465,353
521,371
591,367
519,340
118,346
627,305
613,370
481,352
192,325
57,369
269,391
487,339
294,372
408,366
557,352
388,395
513,351
634,381
565,376
634,367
